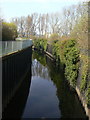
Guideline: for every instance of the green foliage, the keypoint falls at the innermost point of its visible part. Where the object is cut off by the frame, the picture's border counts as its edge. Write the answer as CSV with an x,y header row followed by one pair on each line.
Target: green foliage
x,y
84,71
83,84
71,58
71,74
40,44
9,31
88,94
62,48
56,50
68,53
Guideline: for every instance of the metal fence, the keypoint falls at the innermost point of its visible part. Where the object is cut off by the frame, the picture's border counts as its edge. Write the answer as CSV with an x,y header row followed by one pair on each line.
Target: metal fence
x,y
7,47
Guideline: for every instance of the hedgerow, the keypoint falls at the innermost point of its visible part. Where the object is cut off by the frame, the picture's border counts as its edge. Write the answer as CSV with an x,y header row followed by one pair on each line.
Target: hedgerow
x,y
71,59
68,53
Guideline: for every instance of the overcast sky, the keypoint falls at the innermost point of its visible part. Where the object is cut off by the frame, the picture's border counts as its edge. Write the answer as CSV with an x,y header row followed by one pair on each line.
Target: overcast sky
x,y
17,8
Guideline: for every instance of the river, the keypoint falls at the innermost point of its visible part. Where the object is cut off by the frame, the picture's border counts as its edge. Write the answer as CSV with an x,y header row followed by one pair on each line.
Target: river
x,y
44,93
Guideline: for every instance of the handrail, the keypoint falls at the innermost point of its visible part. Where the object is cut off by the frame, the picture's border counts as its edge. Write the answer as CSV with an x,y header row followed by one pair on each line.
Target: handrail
x,y
7,47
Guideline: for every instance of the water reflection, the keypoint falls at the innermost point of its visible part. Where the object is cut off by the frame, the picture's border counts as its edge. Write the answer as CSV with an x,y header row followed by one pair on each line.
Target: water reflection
x,y
44,94
39,70
50,96
42,100
69,103
16,106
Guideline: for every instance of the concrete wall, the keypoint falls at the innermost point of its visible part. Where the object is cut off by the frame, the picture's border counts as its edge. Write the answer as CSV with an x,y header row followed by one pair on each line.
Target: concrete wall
x,y
14,68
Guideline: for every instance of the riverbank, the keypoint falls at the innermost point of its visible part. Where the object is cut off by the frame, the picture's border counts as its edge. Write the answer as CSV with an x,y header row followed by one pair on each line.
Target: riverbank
x,y
69,103
81,97
77,89
67,54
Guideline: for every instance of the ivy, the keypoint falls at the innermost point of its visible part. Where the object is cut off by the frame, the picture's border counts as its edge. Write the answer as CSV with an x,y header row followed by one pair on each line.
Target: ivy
x,y
71,57
56,50
67,53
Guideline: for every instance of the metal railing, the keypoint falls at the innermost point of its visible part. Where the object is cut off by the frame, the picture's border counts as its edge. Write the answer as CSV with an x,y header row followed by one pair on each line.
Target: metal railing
x,y
7,47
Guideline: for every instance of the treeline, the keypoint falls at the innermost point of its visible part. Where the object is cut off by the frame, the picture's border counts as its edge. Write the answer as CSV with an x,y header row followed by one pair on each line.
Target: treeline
x,y
61,23
9,31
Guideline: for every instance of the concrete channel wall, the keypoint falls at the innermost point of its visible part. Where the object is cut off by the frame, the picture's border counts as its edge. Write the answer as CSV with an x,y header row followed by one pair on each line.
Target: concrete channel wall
x,y
14,68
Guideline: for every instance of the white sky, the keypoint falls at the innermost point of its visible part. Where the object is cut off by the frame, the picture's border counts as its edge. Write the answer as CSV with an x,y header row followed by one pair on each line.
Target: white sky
x,y
17,8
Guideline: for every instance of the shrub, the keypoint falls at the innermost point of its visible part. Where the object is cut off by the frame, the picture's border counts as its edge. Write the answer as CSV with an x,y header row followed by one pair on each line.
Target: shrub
x,y
68,53
83,83
71,58
40,43
62,48
56,50
9,31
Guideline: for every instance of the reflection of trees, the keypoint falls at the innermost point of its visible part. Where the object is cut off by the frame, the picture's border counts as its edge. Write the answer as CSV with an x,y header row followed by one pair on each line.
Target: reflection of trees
x,y
69,104
38,66
40,57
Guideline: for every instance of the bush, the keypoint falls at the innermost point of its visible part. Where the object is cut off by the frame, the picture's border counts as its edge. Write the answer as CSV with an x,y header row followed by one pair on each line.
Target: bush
x,y
83,83
9,31
56,50
40,43
62,48
68,53
71,58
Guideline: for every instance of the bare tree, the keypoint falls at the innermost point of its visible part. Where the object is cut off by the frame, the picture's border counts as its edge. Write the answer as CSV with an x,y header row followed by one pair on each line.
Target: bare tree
x,y
58,23
28,26
35,23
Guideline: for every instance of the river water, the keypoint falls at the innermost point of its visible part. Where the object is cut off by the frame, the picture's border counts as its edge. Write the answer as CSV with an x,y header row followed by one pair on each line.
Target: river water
x,y
45,93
